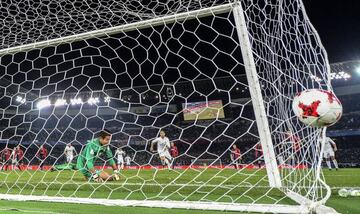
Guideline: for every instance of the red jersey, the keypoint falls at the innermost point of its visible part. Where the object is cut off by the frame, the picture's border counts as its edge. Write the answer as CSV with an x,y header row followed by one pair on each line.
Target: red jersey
x,y
19,154
258,150
42,153
174,151
235,153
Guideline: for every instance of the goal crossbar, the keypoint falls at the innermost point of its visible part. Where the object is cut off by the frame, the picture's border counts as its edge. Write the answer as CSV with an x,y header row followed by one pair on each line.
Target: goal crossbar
x,y
122,28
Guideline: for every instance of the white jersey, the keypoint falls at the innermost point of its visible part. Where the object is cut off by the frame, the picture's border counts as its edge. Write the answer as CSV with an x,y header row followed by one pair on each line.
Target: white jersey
x,y
13,154
120,154
69,151
163,144
128,160
329,144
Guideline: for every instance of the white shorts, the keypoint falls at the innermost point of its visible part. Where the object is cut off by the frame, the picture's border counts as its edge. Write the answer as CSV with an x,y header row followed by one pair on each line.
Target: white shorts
x,y
69,158
165,154
14,162
329,153
120,161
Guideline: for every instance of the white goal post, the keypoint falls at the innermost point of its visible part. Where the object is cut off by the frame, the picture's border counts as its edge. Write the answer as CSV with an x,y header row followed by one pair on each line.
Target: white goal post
x,y
216,76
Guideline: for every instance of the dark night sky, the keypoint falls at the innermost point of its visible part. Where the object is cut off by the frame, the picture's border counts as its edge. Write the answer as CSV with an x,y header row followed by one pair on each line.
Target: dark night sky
x,y
338,23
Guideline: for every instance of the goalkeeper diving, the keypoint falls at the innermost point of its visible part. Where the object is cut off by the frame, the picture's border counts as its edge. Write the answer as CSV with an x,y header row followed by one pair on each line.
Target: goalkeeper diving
x,y
88,156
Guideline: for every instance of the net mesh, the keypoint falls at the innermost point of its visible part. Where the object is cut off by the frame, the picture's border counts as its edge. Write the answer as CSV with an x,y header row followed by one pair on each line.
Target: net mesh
x,y
184,76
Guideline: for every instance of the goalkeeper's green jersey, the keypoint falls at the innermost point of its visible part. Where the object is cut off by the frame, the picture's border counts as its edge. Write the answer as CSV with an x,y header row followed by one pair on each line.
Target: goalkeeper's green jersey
x,y
91,153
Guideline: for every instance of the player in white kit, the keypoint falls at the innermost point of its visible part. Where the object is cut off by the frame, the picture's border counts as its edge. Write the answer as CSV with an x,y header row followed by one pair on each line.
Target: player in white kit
x,y
329,152
119,154
163,146
69,153
128,160
14,161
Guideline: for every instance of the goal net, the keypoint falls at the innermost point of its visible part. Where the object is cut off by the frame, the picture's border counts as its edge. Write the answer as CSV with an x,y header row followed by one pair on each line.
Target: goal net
x,y
217,76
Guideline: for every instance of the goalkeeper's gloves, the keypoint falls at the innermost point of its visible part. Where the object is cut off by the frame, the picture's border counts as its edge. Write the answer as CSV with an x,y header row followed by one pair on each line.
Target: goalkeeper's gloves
x,y
96,178
116,174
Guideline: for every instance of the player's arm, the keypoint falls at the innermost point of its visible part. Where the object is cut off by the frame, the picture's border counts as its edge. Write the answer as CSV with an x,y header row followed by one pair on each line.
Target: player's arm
x,y
152,144
168,143
333,144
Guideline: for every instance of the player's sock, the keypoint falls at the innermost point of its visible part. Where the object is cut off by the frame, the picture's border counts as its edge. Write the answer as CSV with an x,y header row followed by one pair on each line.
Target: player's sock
x,y
335,164
168,163
328,164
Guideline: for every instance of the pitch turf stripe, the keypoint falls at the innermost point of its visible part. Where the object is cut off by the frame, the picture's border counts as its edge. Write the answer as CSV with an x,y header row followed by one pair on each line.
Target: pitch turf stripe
x,y
16,210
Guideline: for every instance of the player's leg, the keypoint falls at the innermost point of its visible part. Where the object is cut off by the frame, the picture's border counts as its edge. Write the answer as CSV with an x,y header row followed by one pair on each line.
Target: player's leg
x,y
281,160
327,158
68,159
118,165
162,162
334,162
71,159
233,162
7,163
65,166
162,159
237,163
41,163
122,165
173,162
20,163
16,164
12,164
168,159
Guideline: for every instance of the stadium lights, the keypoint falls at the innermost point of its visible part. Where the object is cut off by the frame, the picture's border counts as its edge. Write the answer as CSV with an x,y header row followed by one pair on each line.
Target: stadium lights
x,y
317,79
93,100
60,102
340,75
20,100
43,103
357,70
107,99
76,101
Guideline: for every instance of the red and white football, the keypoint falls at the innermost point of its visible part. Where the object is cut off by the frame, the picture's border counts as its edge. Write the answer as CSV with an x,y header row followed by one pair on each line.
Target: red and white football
x,y
317,108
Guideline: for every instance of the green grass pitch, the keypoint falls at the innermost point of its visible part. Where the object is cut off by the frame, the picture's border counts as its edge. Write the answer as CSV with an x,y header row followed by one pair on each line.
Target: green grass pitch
x,y
199,184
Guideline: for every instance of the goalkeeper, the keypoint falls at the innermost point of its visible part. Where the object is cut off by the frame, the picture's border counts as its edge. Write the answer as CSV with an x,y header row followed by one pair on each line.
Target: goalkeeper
x,y
93,149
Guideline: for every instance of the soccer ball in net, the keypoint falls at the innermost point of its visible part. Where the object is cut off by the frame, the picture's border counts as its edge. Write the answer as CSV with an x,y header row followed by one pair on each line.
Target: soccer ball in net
x,y
343,192
317,108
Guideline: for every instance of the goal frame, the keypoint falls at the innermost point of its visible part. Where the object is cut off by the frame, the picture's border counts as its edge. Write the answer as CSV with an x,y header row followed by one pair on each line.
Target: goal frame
x,y
272,168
